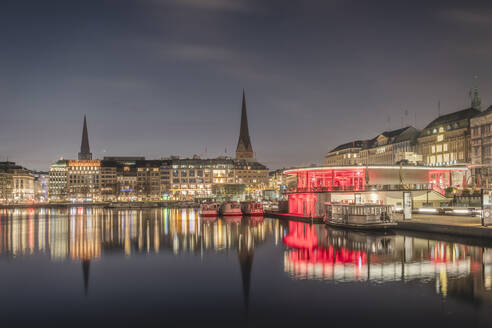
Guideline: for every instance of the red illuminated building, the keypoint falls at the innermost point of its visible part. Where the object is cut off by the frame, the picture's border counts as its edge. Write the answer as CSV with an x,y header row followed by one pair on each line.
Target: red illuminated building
x,y
375,184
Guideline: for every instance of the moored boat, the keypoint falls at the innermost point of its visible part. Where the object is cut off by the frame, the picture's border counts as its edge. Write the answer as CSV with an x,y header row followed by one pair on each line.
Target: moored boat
x,y
360,216
209,209
252,208
231,208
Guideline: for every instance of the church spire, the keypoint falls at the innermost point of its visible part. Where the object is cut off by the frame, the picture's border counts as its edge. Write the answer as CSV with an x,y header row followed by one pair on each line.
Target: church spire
x,y
244,148
85,151
476,102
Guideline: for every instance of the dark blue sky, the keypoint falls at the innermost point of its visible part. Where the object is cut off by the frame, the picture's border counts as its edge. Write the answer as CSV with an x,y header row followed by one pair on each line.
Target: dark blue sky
x,y
159,78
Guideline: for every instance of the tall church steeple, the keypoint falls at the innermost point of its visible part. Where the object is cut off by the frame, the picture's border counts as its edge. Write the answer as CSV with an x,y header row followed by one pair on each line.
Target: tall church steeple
x,y
476,101
85,151
244,148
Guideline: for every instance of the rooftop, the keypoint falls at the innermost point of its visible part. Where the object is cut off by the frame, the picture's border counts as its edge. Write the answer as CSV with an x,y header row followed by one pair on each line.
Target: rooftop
x,y
464,114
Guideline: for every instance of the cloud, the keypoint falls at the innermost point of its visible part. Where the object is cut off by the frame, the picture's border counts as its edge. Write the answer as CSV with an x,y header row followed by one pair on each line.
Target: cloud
x,y
211,5
467,17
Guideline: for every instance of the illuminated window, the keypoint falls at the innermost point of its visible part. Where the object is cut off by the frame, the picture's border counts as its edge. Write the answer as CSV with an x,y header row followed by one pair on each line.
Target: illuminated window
x,y
445,147
439,158
433,149
446,157
441,129
439,148
440,137
433,159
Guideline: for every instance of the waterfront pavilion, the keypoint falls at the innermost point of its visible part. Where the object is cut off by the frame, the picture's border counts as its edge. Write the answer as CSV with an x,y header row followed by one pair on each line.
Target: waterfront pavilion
x,y
374,184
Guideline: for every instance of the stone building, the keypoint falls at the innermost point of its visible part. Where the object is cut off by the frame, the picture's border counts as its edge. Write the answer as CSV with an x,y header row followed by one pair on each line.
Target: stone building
x,y
252,174
390,147
83,180
193,177
16,183
387,148
346,154
446,140
481,148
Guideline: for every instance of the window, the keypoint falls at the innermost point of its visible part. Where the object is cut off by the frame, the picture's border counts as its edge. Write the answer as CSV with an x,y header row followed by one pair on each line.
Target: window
x,y
433,159
445,147
439,148
433,149
440,138
441,129
439,158
446,157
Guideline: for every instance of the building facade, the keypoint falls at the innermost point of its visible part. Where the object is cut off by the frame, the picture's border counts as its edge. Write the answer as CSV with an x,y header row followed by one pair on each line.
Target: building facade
x,y
481,148
446,140
16,183
346,154
387,148
391,147
192,178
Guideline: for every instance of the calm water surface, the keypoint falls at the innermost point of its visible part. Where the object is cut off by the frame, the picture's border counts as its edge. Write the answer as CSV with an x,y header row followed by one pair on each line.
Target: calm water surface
x,y
98,267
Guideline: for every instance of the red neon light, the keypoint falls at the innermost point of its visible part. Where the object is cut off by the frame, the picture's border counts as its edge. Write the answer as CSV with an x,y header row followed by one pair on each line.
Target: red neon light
x,y
324,180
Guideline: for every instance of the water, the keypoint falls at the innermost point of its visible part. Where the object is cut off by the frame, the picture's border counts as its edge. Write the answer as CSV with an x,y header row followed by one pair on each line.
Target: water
x,y
96,267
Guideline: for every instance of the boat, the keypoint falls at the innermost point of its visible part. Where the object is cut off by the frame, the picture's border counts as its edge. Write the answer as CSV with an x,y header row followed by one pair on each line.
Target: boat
x,y
359,216
252,208
231,208
209,209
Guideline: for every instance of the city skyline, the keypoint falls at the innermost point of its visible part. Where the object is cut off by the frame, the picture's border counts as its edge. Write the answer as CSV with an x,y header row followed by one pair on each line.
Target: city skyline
x,y
155,82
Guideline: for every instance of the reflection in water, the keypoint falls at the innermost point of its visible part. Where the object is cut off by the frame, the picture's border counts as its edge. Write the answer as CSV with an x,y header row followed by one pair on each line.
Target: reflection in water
x,y
310,251
83,234
316,252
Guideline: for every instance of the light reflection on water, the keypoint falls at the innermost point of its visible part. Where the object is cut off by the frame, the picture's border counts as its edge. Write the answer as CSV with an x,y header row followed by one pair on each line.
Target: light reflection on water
x,y
298,251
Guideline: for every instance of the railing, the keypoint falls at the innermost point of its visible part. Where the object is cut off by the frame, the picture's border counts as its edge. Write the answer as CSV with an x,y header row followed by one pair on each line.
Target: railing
x,y
368,188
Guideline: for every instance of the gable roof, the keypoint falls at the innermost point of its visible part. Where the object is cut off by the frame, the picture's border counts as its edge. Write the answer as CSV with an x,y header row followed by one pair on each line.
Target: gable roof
x,y
463,114
348,145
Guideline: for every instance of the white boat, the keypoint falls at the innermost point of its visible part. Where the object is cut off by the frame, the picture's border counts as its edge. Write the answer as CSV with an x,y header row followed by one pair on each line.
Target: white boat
x,y
231,208
252,208
360,216
209,209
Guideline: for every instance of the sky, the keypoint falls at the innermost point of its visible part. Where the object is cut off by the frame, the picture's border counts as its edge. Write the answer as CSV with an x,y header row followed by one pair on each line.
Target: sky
x,y
165,77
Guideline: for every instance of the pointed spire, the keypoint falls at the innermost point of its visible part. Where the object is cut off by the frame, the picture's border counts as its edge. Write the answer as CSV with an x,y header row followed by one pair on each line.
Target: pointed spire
x,y
244,148
476,102
85,151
